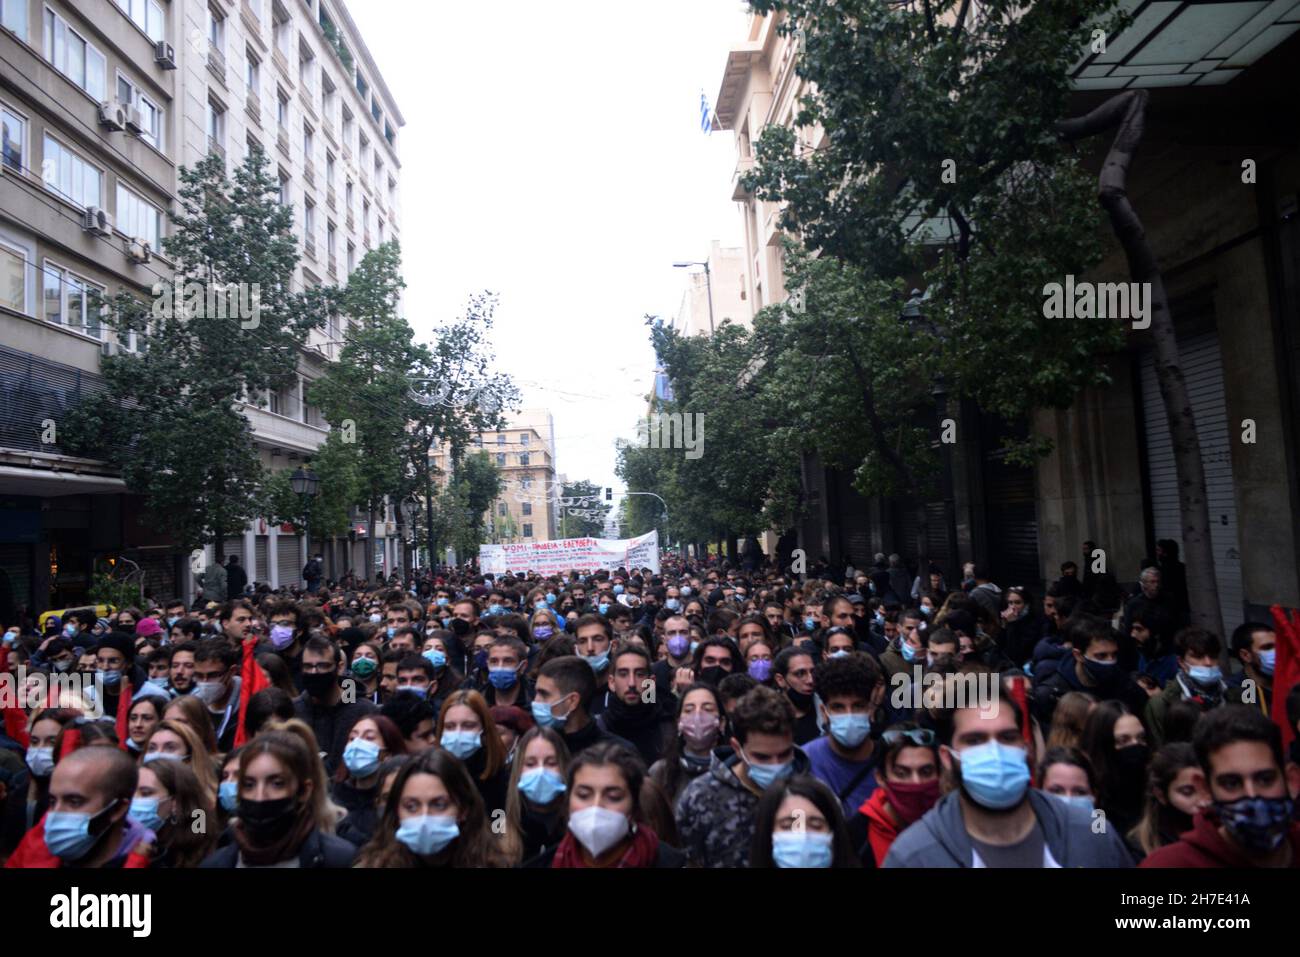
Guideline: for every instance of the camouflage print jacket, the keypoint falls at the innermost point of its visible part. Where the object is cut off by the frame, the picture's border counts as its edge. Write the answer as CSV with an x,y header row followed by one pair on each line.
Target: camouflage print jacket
x,y
715,813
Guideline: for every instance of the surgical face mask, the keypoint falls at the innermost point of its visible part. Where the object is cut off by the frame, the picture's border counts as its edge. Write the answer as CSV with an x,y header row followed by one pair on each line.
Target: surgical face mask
x,y
927,610
603,607
1268,661
435,657
63,666
546,718
209,692
685,590
428,833
802,849
172,620
376,618
598,662
1078,800
1205,675
145,810
111,679
810,623
540,605
765,774
672,604
281,636
598,829
542,632
361,757
541,785
550,598
441,602
228,794
40,761
700,729
994,775
760,669
841,653
364,667
70,835
503,678
495,609
391,630
850,730
462,743
909,653
69,630
153,756
678,645
420,691
1258,823
618,589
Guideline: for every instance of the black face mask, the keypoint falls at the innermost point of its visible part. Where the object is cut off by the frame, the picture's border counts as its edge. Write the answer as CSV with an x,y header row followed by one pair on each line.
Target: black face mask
x,y
1132,765
713,675
267,821
319,686
803,702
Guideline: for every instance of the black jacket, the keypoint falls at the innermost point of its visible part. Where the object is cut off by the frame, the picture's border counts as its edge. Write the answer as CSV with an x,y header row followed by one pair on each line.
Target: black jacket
x,y
332,724
359,826
319,850
591,734
650,727
236,581
668,857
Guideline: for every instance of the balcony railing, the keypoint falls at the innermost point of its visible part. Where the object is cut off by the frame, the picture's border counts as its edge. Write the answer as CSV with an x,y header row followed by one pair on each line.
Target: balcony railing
x,y
253,106
309,172
217,64
329,197
282,141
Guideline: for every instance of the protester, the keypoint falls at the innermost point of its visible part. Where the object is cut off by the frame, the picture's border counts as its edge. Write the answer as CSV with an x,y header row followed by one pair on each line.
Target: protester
x,y
799,825
535,802
908,786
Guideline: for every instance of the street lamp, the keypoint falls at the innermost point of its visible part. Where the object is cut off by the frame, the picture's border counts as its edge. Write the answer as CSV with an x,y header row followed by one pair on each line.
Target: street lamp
x,y
410,508
304,483
708,280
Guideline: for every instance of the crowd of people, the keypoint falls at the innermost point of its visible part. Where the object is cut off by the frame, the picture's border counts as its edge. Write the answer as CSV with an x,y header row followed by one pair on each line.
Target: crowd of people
x,y
705,716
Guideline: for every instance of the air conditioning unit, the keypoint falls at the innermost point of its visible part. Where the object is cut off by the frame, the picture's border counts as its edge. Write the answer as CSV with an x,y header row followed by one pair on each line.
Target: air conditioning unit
x,y
97,221
137,250
164,55
110,349
112,114
134,120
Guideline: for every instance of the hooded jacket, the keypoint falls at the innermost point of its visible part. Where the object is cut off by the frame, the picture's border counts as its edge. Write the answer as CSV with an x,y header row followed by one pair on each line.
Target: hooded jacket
x,y
715,812
940,839
882,831
1050,690
1157,707
1204,846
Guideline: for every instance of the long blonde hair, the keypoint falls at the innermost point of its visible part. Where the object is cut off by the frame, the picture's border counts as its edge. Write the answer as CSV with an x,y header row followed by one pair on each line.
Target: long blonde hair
x,y
512,841
202,761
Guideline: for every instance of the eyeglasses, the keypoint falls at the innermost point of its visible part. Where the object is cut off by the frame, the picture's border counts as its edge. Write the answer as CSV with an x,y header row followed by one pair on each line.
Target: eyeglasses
x,y
921,737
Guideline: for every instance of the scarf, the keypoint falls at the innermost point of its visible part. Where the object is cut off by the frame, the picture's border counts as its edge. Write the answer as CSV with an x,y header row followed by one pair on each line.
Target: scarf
x,y
642,851
632,718
283,849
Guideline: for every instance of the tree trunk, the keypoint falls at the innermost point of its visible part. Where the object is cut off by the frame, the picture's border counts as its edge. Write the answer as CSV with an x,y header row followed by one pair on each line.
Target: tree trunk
x,y
428,518
1128,111
370,544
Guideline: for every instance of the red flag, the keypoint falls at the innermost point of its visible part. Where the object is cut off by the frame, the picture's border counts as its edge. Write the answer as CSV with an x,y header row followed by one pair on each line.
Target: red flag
x,y
252,680
1021,698
1286,673
123,713
15,718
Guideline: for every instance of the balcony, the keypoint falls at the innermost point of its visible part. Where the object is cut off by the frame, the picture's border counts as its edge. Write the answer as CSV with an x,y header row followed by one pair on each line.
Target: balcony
x,y
214,146
277,57
328,126
329,197
282,141
333,266
253,107
309,173
347,151
743,166
309,247
306,96
217,64
352,223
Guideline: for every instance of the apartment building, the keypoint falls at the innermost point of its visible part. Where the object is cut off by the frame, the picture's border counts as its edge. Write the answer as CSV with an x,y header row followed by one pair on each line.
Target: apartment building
x,y
716,295
101,103
527,510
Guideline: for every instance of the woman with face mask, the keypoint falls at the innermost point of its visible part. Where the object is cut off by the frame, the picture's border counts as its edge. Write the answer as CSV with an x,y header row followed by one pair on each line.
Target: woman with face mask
x,y
367,659
535,805
28,803
466,729
228,792
1176,793
146,714
434,817
371,741
282,816
800,824
1116,744
173,741
170,802
606,825
908,787
700,728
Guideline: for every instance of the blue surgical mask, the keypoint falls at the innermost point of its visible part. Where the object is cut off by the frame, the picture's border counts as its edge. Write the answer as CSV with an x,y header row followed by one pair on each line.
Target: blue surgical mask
x,y
68,834
672,604
503,678
598,662
1268,660
540,605
765,774
153,756
850,730
685,590
420,691
802,849
69,630
172,620
436,658
760,669
495,609
842,653
111,679
541,785
40,761
391,630
909,653
678,645
545,717
927,610
694,645
603,607
810,623
1205,674
462,743
145,810
1078,800
994,775
618,589
429,833
361,757
550,598
228,794
441,602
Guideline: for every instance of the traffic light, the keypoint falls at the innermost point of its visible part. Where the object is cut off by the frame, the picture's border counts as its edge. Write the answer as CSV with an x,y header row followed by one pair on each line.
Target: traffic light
x,y
609,494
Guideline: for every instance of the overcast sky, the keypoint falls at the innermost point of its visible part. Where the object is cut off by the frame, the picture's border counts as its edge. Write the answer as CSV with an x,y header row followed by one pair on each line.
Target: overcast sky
x,y
552,153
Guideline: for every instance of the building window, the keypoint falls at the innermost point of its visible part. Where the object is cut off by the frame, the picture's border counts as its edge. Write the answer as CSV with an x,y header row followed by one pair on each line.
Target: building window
x,y
501,459
309,220
502,510
145,14
329,169
13,277
523,438
253,76
528,529
283,28
308,141
352,258
138,218
501,439
13,131
70,176
347,127
72,301
13,14
362,87
347,197
216,127
523,458
306,70
72,56
216,31
282,110
528,508
330,234
151,113
284,188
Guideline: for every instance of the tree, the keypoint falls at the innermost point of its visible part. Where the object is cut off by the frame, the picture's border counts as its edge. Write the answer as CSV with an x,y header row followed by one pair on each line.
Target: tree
x,y
366,391
338,472
582,510
224,330
478,484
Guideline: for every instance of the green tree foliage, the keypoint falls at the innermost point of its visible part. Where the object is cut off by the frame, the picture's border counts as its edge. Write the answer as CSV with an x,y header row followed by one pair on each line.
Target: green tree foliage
x,y
338,471
171,417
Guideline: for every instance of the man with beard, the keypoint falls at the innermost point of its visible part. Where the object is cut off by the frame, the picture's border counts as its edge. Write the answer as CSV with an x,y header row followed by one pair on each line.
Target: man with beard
x,y
993,818
794,675
324,706
634,711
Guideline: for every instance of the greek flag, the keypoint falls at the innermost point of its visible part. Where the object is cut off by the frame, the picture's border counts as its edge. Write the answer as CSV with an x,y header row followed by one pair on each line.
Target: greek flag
x,y
706,114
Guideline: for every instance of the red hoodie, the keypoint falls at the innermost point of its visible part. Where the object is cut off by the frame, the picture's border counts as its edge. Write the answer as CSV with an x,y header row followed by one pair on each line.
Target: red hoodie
x,y
1204,846
32,852
881,828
